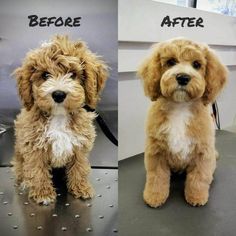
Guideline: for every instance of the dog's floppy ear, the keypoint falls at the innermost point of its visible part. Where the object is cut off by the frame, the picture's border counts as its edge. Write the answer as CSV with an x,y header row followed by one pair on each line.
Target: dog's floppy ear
x,y
150,73
216,76
95,73
24,85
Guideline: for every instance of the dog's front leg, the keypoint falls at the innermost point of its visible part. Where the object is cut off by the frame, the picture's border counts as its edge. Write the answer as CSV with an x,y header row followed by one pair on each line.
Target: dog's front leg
x,y
17,163
157,176
199,178
38,178
77,176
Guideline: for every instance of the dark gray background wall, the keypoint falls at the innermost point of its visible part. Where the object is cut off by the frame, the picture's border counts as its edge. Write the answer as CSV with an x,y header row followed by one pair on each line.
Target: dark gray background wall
x,y
98,28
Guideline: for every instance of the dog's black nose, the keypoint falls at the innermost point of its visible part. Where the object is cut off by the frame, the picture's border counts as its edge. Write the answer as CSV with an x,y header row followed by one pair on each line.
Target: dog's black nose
x,y
58,96
183,79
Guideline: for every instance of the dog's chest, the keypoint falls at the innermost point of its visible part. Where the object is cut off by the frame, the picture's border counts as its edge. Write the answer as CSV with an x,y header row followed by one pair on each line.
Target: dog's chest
x,y
62,139
178,140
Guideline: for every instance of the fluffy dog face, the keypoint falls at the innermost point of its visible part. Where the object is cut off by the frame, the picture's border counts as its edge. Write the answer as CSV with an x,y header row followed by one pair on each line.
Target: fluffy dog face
x,y
182,70
58,89
61,74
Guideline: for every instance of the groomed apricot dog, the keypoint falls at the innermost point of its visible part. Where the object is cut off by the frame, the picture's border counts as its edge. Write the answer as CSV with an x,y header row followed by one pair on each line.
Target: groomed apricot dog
x,y
53,129
182,78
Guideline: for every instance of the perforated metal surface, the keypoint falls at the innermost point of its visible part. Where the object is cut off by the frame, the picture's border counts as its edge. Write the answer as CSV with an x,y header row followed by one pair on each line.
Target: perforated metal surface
x,y
68,216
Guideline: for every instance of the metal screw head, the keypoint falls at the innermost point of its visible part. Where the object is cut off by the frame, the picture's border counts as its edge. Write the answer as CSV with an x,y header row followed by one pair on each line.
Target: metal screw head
x,y
20,193
54,215
1,193
77,216
101,217
5,202
108,186
98,179
39,227
32,214
67,204
63,228
58,194
89,205
26,203
115,230
99,195
10,214
111,205
89,229
15,226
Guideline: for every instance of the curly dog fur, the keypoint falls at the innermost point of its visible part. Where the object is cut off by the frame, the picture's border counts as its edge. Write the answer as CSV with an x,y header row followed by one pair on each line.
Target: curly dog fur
x,y
182,78
53,129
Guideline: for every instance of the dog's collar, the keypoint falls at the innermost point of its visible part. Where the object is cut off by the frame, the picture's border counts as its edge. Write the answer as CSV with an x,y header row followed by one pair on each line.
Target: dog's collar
x,y
88,108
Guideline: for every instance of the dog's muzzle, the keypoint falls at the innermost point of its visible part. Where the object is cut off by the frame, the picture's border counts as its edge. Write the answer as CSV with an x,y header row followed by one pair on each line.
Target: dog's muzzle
x,y
58,96
183,79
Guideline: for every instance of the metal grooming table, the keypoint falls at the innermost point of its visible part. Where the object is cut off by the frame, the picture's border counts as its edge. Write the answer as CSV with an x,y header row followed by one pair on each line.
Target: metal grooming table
x,y
176,217
68,216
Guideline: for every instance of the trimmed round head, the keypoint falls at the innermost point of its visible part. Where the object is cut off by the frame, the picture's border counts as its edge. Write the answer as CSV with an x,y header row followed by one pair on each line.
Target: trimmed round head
x,y
182,70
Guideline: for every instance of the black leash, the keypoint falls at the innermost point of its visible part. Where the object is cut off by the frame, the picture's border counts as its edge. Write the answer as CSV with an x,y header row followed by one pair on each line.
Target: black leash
x,y
103,125
216,114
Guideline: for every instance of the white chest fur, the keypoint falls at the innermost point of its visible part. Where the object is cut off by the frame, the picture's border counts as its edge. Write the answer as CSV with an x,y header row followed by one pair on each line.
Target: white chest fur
x,y
62,138
178,140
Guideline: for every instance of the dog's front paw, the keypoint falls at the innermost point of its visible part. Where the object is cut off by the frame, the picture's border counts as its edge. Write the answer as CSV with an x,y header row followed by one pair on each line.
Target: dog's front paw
x,y
155,199
84,191
44,197
197,198
23,186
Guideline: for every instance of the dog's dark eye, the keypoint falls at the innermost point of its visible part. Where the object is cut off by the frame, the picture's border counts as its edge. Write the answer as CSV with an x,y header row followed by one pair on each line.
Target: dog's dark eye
x,y
171,62
45,75
196,65
73,75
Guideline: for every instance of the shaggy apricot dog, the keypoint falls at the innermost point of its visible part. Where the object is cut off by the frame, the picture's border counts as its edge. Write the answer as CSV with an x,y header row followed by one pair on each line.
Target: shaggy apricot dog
x,y
53,129
182,78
